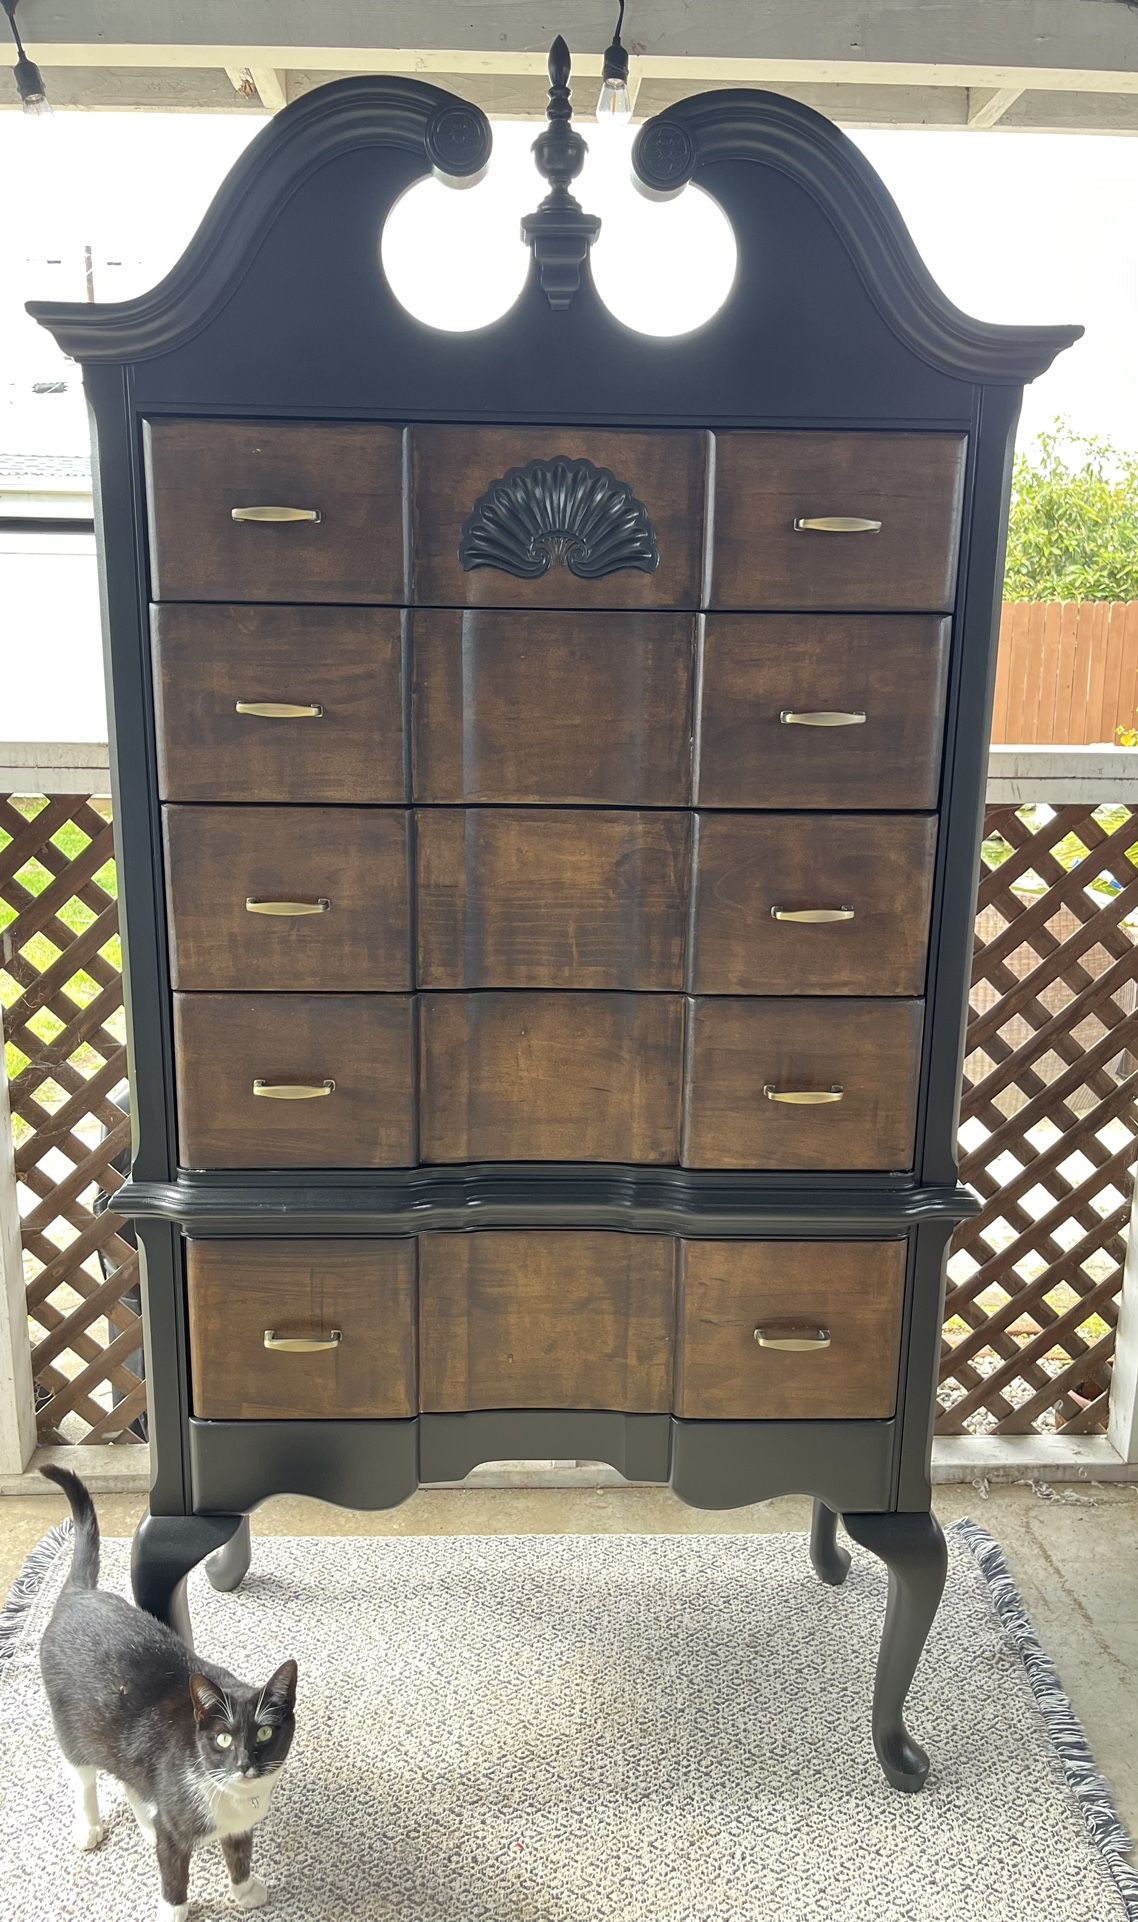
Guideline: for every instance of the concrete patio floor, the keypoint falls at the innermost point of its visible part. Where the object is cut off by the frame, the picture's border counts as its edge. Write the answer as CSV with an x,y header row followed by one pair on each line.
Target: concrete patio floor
x,y
1072,1549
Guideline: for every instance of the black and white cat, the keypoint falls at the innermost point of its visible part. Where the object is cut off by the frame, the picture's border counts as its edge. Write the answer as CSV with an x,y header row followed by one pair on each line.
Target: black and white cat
x,y
198,1753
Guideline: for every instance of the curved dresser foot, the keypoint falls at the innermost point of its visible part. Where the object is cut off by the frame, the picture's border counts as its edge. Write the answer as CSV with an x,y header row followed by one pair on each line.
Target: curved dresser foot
x,y
913,1549
165,1549
227,1567
831,1561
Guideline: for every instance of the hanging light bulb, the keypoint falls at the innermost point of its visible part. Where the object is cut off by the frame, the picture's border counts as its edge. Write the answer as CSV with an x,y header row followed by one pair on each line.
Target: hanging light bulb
x,y
29,79
614,105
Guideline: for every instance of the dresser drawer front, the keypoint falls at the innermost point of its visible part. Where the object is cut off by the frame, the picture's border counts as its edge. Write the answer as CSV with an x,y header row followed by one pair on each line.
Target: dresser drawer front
x,y
239,1292
346,478
755,872
546,1320
868,1050
766,483
822,711
294,1081
838,1302
221,674
551,1077
557,517
220,858
555,708
530,898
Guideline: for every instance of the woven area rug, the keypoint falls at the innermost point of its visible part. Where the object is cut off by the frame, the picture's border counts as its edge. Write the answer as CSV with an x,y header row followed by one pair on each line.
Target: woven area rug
x,y
600,1729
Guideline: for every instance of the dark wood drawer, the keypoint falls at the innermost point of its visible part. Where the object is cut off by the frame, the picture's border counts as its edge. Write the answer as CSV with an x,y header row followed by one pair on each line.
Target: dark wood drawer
x,y
199,472
551,1077
532,898
557,517
294,1081
546,1320
767,484
221,675
241,1291
868,1050
756,871
553,708
218,859
822,711
848,1294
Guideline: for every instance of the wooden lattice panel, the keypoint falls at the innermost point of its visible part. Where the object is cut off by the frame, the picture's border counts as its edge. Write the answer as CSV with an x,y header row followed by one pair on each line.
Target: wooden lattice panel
x,y
1049,1135
61,989
1048,1129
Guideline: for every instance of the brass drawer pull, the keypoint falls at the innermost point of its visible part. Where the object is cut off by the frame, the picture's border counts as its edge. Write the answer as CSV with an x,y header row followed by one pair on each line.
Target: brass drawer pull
x,y
293,1090
302,1344
262,514
281,710
812,914
824,717
804,1097
835,524
792,1336
315,904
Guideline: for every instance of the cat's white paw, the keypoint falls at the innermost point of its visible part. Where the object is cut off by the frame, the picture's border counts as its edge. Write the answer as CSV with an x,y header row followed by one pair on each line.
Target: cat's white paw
x,y
86,1835
172,1911
250,1894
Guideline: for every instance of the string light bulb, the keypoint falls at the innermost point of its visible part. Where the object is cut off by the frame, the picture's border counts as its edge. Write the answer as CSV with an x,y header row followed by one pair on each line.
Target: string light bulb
x,y
614,104
29,79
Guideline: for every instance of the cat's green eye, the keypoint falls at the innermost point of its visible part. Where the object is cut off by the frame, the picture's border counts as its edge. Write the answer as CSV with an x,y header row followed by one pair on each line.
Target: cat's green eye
x,y
265,1734
224,1740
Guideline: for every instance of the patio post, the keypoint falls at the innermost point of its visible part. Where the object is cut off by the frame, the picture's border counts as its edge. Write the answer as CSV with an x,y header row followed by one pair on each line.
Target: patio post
x,y
17,1395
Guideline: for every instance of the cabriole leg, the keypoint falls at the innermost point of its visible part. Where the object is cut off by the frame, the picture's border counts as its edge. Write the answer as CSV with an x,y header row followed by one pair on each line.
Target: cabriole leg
x,y
165,1549
913,1550
831,1562
228,1567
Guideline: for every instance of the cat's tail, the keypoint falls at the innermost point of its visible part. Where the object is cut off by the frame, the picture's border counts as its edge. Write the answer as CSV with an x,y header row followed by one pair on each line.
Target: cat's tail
x,y
85,1549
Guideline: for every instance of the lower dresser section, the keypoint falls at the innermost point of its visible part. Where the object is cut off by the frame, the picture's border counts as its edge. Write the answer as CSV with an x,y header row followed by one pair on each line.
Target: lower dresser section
x,y
331,1331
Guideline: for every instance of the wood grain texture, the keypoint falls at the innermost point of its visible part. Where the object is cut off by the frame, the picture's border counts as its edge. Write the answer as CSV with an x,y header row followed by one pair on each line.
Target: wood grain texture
x,y
551,1077
855,1289
452,467
891,668
553,708
238,1289
362,1042
356,858
871,1049
206,659
912,483
746,865
545,898
197,471
546,1320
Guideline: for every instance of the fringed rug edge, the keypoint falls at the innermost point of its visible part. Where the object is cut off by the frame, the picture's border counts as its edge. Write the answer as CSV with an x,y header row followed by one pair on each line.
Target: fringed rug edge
x,y
25,1590
1064,1729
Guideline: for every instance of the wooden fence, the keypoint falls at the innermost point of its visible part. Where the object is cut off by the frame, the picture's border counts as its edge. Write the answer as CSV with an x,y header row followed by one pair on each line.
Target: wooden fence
x,y
1067,671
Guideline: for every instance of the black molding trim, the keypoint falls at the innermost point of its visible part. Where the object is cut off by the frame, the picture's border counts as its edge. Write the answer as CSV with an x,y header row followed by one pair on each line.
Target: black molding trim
x,y
377,1464
386,110
642,1200
689,140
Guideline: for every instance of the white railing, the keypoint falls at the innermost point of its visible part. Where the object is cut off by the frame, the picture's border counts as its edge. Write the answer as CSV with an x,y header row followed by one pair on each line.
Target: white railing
x,y
1056,775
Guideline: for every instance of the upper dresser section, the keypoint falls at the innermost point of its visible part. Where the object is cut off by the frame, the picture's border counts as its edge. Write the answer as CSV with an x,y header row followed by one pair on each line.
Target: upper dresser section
x,y
551,517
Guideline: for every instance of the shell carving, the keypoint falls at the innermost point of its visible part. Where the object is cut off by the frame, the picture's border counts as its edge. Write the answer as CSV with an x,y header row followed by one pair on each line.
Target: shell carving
x,y
559,513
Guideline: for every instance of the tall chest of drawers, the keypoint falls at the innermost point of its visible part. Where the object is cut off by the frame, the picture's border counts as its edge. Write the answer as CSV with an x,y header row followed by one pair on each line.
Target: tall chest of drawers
x,y
548,772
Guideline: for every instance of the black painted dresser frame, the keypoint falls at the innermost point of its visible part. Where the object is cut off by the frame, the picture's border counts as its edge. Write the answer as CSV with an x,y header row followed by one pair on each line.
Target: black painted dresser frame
x,y
279,309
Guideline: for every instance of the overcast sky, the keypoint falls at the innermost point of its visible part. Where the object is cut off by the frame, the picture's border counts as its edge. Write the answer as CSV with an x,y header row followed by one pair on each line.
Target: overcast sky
x,y
1016,227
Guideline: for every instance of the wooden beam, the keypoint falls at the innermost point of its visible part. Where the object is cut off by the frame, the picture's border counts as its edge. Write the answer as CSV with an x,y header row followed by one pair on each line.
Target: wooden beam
x,y
17,1395
270,84
988,109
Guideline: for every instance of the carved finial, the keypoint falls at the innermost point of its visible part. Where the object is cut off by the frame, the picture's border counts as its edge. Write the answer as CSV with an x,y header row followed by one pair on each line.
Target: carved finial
x,y
560,232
